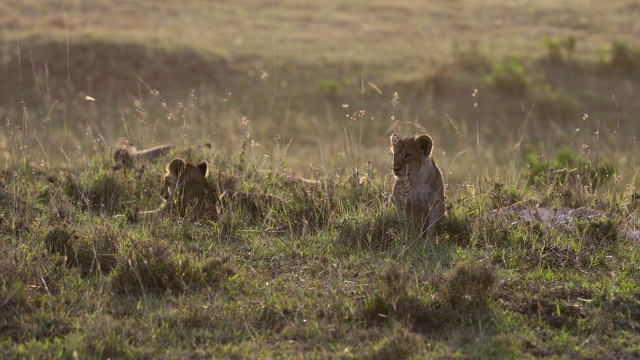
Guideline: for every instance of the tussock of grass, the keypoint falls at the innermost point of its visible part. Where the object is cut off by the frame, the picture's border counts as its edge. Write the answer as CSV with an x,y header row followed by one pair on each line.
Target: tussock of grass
x,y
153,266
393,299
371,229
468,285
402,344
570,171
91,251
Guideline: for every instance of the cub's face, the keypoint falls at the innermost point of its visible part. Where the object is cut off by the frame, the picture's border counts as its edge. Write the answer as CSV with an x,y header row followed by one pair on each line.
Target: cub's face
x,y
186,178
122,159
409,154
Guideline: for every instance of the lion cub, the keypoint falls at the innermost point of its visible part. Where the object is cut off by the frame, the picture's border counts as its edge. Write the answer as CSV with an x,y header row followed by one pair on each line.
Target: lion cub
x,y
187,191
419,186
123,158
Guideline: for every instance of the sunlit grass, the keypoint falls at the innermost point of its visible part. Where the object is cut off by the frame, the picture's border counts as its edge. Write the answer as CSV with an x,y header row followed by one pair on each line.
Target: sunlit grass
x,y
189,73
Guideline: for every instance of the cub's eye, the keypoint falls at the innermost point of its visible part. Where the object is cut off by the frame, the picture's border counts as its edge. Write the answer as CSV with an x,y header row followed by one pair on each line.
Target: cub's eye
x,y
407,156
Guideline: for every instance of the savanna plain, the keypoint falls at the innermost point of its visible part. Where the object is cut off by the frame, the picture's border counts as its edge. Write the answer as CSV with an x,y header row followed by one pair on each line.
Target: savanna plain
x,y
525,100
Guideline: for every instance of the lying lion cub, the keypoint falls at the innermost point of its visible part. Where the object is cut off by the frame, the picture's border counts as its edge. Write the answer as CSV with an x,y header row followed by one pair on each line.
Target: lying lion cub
x,y
188,192
419,186
530,211
123,158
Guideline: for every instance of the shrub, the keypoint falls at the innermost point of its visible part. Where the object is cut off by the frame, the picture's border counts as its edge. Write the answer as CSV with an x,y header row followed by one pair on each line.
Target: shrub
x,y
471,58
599,232
559,49
371,229
105,191
468,285
567,169
554,50
459,224
58,241
329,88
90,251
554,104
392,299
154,267
623,57
402,345
509,77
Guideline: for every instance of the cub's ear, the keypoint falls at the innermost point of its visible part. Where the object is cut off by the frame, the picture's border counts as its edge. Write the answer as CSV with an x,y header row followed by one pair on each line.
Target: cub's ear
x,y
395,138
204,168
176,166
424,144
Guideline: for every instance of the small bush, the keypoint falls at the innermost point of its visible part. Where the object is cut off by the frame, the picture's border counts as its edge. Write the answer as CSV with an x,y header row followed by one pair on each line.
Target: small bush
x,y
107,337
153,266
554,104
567,169
371,229
392,299
501,195
459,224
105,191
623,57
468,285
93,252
472,58
554,50
101,192
330,88
559,49
402,345
58,241
599,232
509,77
390,294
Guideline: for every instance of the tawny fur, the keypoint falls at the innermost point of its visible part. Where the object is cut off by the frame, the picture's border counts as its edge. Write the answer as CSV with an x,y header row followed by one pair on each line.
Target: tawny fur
x,y
123,158
531,211
186,192
419,188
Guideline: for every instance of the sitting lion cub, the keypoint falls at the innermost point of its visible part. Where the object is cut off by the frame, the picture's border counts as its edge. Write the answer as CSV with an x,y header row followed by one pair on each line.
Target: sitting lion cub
x,y
188,192
419,186
123,158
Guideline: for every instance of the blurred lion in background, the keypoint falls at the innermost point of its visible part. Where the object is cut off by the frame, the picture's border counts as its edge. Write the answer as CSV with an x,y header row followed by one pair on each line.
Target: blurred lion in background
x,y
125,159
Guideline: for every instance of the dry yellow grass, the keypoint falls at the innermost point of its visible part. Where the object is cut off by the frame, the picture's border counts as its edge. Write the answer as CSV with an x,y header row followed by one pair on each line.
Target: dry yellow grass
x,y
403,33
290,66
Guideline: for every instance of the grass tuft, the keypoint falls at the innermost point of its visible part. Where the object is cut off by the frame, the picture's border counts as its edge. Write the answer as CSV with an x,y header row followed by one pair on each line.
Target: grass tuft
x,y
402,344
468,285
153,266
